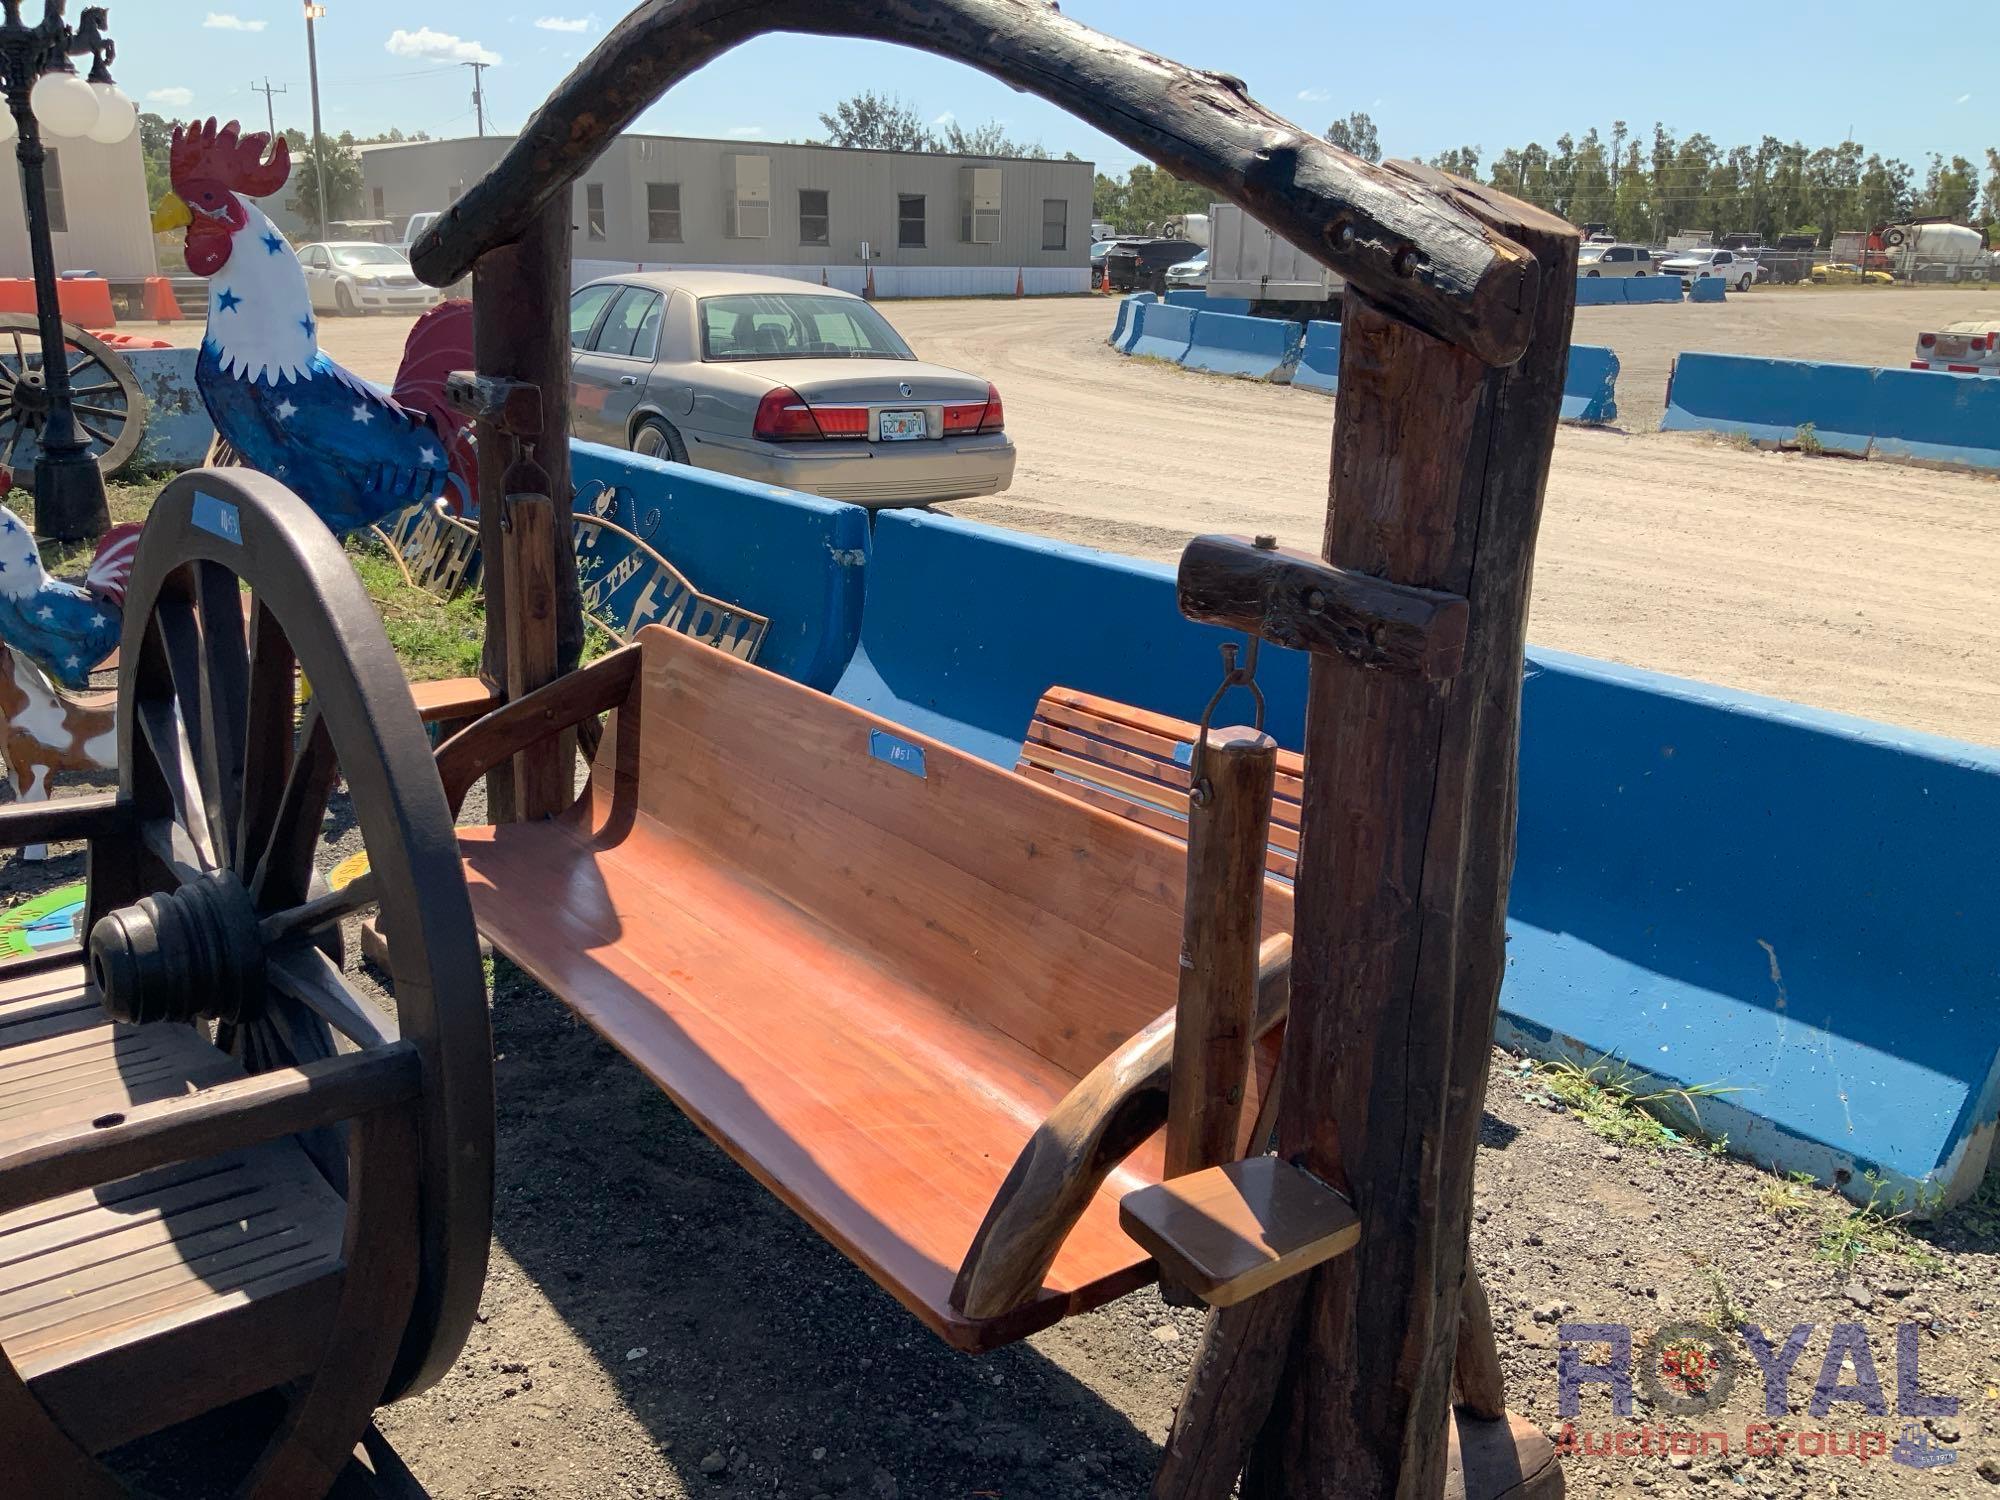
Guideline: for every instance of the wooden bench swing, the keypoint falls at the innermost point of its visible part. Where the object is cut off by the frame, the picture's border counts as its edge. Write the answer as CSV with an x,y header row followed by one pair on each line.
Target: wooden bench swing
x,y
942,1010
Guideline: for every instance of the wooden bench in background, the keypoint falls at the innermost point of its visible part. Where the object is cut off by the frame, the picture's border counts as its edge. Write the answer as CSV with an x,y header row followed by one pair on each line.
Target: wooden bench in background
x,y
1133,762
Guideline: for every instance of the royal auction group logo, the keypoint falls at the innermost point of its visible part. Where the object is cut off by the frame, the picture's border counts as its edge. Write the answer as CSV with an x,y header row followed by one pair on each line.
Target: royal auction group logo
x,y
1687,1371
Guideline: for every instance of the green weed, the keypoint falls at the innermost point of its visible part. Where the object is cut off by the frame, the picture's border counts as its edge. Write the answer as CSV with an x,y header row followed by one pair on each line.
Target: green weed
x,y
1616,1104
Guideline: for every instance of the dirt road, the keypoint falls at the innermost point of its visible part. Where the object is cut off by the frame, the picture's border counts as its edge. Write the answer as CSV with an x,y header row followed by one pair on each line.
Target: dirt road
x,y
1862,587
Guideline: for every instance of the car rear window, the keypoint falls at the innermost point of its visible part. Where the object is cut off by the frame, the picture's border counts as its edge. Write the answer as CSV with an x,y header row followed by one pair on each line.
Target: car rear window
x,y
795,325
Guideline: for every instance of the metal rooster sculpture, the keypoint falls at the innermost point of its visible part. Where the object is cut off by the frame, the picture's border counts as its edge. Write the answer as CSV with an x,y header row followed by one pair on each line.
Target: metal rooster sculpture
x,y
353,454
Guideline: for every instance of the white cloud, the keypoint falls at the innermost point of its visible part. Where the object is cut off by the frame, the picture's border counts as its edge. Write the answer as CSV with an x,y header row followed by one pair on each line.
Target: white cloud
x,y
426,45
747,132
222,20
563,23
1315,96
944,119
174,98
1964,99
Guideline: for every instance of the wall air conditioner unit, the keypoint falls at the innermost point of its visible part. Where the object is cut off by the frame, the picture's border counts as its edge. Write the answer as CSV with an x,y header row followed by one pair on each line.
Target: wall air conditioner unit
x,y
746,180
979,188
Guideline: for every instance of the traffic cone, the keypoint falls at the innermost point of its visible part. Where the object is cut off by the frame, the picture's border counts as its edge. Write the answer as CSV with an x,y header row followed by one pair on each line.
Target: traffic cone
x,y
1020,283
157,302
822,276
1106,286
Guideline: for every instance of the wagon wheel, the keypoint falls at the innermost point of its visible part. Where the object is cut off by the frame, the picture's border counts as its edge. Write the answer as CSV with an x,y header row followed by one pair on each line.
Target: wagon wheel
x,y
231,781
105,399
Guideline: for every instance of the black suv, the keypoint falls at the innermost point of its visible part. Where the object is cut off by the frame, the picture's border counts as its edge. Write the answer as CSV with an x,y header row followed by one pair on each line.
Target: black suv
x,y
1141,265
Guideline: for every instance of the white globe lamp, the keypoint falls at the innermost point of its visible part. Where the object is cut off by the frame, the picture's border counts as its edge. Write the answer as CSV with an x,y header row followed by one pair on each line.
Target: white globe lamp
x,y
117,115
64,103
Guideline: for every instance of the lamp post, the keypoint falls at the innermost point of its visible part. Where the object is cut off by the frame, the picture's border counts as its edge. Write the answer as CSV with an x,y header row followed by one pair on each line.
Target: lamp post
x,y
43,91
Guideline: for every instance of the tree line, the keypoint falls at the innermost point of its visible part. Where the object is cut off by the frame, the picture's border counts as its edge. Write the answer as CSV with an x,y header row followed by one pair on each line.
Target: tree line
x,y
1647,189
345,189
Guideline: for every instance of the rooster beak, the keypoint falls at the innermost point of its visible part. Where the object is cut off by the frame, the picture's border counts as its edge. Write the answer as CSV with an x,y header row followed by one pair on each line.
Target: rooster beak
x,y
171,214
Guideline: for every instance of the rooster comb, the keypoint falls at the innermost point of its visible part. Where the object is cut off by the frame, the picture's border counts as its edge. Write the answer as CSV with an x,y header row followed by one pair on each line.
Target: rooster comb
x,y
222,153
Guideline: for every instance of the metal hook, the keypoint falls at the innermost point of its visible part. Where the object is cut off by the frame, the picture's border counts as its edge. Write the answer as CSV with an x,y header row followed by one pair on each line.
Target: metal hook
x,y
1245,676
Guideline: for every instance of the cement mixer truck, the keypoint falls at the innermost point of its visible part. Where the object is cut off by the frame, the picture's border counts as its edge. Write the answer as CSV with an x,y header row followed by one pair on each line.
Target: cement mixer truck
x,y
1929,250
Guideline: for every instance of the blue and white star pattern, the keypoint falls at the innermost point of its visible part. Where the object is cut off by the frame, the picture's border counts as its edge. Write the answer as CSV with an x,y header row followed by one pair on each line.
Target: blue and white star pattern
x,y
65,630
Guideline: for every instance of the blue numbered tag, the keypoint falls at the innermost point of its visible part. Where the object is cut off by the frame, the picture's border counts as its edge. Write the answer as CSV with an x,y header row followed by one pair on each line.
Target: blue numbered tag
x,y
897,751
219,518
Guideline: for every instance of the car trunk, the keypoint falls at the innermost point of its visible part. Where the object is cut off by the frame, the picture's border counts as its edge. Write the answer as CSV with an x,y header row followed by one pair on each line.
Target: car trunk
x,y
828,382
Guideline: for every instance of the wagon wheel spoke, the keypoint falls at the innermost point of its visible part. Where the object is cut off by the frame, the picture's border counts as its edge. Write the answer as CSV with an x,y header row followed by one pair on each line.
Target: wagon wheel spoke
x,y
308,976
284,869
98,434
321,911
268,727
20,349
166,775
108,388
187,659
98,411
224,692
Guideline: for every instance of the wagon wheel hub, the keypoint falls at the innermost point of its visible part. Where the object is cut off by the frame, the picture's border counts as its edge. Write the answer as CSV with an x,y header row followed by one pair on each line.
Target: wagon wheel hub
x,y
182,955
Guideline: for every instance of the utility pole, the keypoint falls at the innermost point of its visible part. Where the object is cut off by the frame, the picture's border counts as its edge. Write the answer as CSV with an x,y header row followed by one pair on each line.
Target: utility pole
x,y
478,97
313,12
270,113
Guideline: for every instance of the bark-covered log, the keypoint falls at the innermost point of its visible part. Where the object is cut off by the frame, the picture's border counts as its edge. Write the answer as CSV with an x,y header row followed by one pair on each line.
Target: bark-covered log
x,y
1409,245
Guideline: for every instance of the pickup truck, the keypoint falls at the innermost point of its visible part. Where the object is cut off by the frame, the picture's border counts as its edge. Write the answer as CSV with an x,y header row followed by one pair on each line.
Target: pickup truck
x,y
1740,271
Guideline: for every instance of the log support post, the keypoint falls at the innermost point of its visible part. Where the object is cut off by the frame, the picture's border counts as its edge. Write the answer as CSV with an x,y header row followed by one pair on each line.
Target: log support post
x,y
1407,848
1229,832
534,611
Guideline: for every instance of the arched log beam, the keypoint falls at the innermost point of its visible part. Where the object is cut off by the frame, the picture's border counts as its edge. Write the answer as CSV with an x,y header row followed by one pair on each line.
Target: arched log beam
x,y
1410,246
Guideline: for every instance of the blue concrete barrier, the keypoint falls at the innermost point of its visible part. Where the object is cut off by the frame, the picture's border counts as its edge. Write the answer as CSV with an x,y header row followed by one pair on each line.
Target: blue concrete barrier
x,y
1716,888
1255,348
1652,288
1319,358
1590,385
968,625
1938,415
178,430
1709,289
1161,330
800,560
1726,889
1125,327
1602,291
1850,408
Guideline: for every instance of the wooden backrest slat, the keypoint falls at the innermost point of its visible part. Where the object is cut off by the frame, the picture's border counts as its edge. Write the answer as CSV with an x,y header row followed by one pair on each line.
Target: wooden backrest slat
x,y
1037,913
1133,762
1172,776
1151,735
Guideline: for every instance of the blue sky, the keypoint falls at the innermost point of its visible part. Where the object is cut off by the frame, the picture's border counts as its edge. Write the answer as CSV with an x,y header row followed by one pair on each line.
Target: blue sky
x,y
1458,72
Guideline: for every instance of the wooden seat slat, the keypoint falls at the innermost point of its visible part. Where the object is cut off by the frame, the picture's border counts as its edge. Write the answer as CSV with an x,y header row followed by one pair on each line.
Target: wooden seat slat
x,y
1129,724
1173,774
122,1286
870,986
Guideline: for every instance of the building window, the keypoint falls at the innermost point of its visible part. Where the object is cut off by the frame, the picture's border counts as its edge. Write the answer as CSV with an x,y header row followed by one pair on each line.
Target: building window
x,y
663,213
375,197
593,211
1055,223
812,216
52,185
910,221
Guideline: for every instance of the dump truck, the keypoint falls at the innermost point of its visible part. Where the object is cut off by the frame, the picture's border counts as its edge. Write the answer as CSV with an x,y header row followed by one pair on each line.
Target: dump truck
x,y
1248,261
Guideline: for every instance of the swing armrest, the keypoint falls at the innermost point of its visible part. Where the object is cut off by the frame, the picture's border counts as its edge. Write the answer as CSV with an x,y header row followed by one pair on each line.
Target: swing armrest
x,y
550,709
1100,1122
62,819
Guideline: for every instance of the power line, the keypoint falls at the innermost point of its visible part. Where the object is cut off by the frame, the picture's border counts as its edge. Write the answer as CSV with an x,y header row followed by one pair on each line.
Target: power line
x,y
267,89
478,97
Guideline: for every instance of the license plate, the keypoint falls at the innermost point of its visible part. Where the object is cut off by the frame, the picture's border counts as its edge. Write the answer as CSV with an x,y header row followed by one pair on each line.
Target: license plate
x,y
901,426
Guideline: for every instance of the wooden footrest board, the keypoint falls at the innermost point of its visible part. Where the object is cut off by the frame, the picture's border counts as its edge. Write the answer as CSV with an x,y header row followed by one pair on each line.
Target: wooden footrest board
x,y
1229,1232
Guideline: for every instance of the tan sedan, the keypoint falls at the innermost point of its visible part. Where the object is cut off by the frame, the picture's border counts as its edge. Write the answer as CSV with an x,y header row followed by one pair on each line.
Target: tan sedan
x,y
780,381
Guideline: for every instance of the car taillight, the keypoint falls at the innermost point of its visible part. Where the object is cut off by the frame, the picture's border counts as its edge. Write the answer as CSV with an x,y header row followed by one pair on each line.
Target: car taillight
x,y
784,417
1927,341
962,417
842,421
